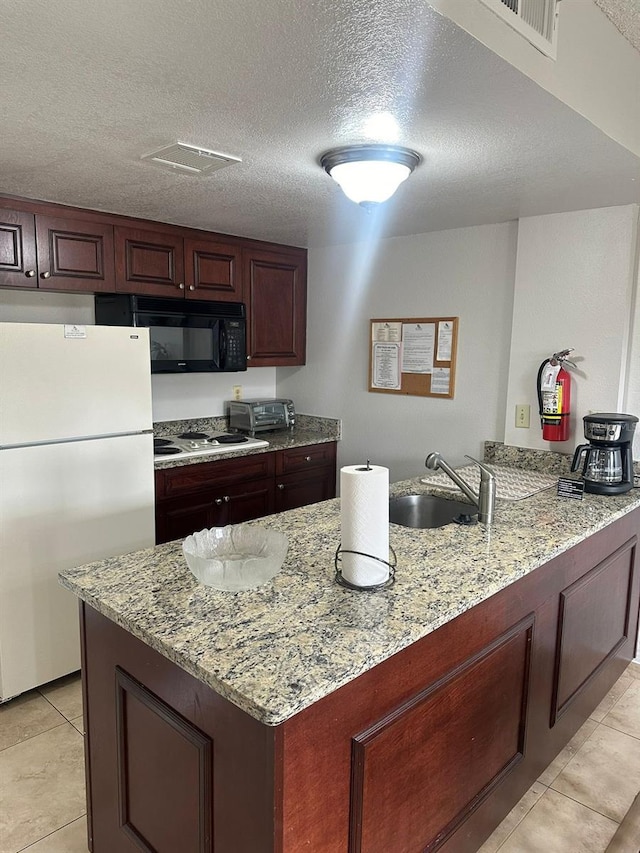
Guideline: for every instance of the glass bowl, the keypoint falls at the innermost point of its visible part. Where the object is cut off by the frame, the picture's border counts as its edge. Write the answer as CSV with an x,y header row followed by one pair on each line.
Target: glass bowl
x,y
235,557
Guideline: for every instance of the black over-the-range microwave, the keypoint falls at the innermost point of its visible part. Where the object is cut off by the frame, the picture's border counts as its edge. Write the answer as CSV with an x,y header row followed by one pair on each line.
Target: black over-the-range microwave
x,y
186,336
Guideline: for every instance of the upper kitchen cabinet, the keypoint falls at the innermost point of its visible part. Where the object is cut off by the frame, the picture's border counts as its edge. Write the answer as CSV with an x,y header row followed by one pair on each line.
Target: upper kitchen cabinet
x,y
212,270
275,290
166,264
149,263
55,253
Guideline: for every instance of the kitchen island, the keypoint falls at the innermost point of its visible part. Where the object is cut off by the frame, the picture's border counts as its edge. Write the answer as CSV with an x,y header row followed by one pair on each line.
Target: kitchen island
x,y
305,716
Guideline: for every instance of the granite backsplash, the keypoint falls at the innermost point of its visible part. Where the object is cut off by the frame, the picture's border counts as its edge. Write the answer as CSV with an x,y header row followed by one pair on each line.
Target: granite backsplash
x,y
546,461
331,427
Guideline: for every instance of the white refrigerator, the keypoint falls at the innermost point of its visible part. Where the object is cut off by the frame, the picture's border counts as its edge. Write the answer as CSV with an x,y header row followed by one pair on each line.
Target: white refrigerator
x,y
76,480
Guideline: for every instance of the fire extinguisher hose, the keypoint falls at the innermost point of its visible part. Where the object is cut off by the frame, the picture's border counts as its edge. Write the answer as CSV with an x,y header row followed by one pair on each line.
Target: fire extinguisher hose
x,y
542,367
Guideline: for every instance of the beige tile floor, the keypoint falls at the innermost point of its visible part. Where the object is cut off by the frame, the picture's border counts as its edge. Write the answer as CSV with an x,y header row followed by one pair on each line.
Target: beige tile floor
x,y
574,807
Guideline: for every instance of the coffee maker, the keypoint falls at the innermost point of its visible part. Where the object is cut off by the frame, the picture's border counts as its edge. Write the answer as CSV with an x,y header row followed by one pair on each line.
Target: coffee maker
x,y
607,462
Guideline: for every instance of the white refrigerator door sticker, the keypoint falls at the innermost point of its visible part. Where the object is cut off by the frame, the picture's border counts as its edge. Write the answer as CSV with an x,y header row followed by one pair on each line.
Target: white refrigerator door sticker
x,y
75,331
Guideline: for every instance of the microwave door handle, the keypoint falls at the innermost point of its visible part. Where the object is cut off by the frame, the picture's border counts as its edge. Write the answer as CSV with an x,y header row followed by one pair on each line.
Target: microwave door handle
x,y
222,345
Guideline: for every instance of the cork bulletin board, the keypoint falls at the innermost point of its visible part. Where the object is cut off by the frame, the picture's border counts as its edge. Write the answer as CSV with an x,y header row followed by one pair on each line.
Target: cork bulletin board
x,y
413,355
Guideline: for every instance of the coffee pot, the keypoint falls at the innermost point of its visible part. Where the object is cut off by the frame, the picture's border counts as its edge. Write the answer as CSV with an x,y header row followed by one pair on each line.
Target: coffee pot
x,y
607,462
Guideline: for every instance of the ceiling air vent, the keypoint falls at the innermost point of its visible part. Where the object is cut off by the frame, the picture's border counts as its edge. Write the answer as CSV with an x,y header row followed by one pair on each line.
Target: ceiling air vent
x,y
190,159
533,19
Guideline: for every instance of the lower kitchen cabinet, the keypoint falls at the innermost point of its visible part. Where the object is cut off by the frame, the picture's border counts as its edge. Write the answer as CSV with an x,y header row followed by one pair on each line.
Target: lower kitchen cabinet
x,y
212,494
305,475
426,751
214,507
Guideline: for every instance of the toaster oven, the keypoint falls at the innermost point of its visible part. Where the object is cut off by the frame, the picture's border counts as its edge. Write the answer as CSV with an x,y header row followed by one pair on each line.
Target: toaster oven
x,y
252,416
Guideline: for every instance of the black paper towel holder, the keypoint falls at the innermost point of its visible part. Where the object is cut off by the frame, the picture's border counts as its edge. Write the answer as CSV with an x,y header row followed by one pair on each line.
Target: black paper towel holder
x,y
371,587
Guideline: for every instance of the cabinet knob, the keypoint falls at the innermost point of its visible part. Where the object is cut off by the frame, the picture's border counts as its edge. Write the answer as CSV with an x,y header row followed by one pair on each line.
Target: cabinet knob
x,y
307,459
181,286
30,273
45,275
192,287
281,486
227,499
218,501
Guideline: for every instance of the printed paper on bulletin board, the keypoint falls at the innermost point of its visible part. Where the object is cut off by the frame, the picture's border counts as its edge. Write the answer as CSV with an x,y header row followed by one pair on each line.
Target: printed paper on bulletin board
x,y
414,355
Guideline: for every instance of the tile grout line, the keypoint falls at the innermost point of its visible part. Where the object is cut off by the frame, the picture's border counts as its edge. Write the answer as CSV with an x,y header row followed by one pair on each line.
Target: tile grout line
x,y
591,809
49,834
582,745
546,788
598,723
620,731
37,734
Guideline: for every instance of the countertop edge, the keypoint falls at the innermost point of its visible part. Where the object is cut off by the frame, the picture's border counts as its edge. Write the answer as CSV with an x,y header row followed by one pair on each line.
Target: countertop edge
x,y
276,710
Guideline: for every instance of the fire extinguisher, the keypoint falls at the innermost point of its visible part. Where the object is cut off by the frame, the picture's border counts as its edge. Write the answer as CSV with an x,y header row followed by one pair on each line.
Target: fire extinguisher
x,y
554,396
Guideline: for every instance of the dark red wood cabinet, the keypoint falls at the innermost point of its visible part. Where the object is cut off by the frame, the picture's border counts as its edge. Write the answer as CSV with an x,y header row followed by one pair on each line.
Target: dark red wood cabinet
x,y
55,253
149,263
305,475
212,494
213,270
427,751
50,246
275,288
168,264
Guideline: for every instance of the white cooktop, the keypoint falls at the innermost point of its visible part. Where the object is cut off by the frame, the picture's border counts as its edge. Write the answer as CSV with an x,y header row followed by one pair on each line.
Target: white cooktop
x,y
190,447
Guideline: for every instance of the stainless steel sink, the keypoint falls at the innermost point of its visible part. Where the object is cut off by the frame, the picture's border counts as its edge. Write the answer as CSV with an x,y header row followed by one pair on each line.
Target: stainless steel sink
x,y
429,511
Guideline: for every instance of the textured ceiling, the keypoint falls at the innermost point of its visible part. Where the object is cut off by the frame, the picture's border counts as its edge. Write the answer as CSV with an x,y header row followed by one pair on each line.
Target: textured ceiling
x,y
89,87
625,15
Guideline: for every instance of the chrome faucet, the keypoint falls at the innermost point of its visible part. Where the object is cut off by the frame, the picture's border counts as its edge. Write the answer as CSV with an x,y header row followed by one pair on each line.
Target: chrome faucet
x,y
485,499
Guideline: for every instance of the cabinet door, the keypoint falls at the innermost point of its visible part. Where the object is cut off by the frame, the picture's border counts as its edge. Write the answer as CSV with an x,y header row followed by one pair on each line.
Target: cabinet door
x,y
149,263
248,500
176,519
294,490
17,249
212,271
275,287
74,255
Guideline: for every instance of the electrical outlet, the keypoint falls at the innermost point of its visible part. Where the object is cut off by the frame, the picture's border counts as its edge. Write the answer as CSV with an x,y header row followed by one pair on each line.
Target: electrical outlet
x,y
523,415
237,392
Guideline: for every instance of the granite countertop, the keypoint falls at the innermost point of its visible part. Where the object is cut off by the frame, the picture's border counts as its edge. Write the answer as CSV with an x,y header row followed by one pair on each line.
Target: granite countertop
x,y
276,650
309,429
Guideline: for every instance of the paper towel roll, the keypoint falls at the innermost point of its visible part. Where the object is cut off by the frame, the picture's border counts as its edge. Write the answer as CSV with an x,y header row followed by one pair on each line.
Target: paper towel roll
x,y
364,519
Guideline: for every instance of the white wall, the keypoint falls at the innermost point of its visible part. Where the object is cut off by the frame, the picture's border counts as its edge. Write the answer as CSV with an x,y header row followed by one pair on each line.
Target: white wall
x,y
202,395
175,397
574,287
596,71
465,272
632,395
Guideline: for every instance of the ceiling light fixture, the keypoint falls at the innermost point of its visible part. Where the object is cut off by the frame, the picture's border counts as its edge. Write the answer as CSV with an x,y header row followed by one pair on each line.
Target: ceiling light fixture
x,y
369,174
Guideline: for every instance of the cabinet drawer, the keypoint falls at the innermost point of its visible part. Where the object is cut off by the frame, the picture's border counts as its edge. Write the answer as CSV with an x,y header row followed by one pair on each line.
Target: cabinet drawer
x,y
193,478
301,458
304,488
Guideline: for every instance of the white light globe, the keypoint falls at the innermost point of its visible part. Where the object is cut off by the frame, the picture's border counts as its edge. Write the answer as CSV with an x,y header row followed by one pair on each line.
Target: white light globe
x,y
370,181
